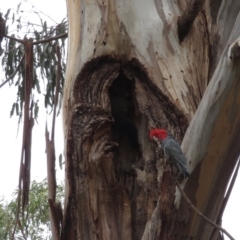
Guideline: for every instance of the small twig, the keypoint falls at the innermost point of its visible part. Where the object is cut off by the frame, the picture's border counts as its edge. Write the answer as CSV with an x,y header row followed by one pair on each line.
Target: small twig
x,y
64,35
30,23
200,214
14,73
39,11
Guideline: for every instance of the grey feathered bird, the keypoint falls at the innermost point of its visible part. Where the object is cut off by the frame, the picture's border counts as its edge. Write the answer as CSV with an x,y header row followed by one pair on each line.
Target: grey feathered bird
x,y
171,149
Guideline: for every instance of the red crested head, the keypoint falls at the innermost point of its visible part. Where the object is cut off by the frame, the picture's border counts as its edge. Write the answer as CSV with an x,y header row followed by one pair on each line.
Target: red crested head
x,y
159,133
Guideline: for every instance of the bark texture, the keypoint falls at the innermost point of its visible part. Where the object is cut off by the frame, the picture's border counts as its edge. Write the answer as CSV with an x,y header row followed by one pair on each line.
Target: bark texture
x,y
127,72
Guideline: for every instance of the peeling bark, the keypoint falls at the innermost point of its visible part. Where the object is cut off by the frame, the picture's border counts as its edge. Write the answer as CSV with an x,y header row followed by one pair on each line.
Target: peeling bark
x,y
189,15
24,176
54,207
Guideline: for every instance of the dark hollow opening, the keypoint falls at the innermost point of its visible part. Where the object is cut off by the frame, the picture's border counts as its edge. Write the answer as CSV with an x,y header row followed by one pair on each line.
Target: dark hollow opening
x,y
124,129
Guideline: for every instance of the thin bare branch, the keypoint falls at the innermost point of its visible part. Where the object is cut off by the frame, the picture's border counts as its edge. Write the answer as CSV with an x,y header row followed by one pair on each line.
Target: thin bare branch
x,y
200,214
55,207
229,191
14,73
64,35
226,198
13,38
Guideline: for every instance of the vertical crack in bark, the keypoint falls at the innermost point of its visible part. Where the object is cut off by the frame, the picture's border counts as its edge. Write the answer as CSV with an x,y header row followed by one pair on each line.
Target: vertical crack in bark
x,y
210,54
128,154
124,130
104,5
189,15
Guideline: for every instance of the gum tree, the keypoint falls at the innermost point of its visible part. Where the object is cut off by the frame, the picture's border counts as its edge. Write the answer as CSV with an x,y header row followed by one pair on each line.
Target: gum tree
x,y
170,64
134,65
173,65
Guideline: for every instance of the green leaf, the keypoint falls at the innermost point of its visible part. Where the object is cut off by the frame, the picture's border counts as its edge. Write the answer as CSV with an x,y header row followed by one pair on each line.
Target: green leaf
x,y
44,57
17,109
45,27
37,35
36,109
12,110
18,7
13,18
7,13
60,161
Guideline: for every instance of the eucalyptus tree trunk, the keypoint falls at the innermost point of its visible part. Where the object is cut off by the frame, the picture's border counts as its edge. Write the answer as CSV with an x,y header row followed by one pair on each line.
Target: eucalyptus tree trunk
x,y
135,65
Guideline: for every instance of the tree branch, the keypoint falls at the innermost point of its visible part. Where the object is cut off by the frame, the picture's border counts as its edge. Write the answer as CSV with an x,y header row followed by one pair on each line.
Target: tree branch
x,y
14,73
226,198
21,229
13,38
55,207
189,15
56,218
25,161
229,191
64,35
200,214
24,183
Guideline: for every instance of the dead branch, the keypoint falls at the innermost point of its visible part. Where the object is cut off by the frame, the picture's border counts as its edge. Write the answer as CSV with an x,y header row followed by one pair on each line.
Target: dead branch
x,y
226,198
64,35
13,38
25,161
200,214
24,183
55,207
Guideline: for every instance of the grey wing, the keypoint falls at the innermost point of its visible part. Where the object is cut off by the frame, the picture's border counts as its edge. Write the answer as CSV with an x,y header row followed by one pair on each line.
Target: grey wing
x,y
173,150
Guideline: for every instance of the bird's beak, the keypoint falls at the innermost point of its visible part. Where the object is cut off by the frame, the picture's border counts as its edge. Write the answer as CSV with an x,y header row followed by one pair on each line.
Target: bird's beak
x,y
154,138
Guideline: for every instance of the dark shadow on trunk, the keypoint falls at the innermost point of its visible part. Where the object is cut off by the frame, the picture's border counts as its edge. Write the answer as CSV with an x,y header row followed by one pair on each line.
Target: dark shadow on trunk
x,y
124,128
